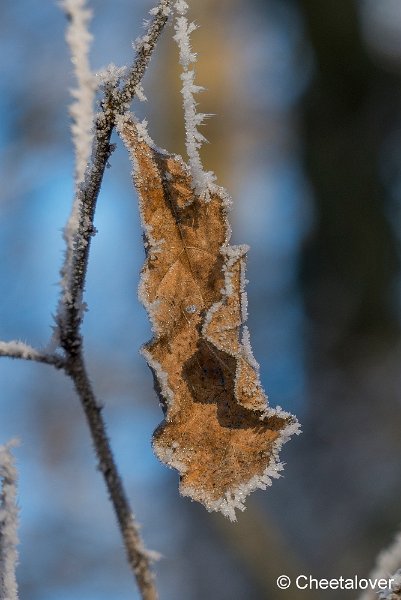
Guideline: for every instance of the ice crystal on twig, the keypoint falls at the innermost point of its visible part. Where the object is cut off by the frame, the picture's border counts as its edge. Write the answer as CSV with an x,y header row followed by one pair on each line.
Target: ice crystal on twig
x,y
17,349
110,76
202,180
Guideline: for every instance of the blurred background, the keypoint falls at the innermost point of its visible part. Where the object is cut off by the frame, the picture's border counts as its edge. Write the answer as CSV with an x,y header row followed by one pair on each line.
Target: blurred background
x,y
307,138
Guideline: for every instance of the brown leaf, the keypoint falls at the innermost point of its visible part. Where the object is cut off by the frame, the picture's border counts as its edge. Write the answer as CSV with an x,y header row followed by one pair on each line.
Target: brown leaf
x,y
219,431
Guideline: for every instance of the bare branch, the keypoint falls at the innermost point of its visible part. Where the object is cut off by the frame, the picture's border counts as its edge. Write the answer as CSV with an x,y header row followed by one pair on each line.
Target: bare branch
x,y
138,557
71,307
144,47
78,235
17,349
82,109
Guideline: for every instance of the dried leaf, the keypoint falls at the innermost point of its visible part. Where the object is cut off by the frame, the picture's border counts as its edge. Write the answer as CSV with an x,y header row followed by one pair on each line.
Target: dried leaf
x,y
219,431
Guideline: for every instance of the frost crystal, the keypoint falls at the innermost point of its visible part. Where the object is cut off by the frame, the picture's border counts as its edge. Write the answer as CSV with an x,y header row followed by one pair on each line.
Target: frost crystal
x,y
181,7
142,128
110,76
202,180
140,94
165,10
78,39
191,309
17,348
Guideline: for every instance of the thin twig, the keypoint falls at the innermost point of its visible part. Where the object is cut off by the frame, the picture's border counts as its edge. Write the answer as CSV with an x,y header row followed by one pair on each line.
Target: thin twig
x,y
74,270
70,316
137,556
144,47
17,349
79,39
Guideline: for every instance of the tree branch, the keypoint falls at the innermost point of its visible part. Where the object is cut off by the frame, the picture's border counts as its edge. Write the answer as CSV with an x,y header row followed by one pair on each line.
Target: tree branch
x,y
71,307
17,349
138,558
70,310
78,234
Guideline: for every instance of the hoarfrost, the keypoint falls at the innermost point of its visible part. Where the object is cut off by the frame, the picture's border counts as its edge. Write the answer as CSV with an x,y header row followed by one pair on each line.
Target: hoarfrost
x,y
191,309
197,456
143,135
110,76
234,498
202,180
162,376
18,349
142,129
247,349
140,94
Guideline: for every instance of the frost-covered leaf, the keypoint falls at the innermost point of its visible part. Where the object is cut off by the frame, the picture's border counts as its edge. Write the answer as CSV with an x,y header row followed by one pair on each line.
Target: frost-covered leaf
x,y
219,431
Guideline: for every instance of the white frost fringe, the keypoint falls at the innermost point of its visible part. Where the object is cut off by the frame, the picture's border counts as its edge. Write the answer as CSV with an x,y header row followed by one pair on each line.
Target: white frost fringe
x,y
79,40
18,349
202,180
8,523
82,113
234,499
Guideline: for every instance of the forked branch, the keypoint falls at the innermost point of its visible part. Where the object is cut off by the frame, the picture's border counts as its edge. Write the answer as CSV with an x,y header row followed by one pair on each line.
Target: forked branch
x,y
78,234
